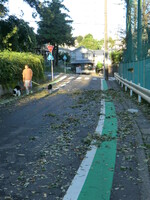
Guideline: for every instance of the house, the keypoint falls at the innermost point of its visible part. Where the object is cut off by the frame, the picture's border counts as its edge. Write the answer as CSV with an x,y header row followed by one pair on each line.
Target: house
x,y
82,57
98,56
86,59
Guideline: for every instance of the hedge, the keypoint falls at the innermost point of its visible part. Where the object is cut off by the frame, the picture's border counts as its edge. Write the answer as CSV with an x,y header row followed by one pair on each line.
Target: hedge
x,y
12,65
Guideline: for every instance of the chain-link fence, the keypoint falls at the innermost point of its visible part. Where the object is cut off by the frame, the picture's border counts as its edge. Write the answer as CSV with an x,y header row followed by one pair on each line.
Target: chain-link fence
x,y
136,57
137,30
137,72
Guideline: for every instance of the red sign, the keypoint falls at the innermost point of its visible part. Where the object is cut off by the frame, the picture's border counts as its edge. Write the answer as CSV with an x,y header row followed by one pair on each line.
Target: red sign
x,y
50,48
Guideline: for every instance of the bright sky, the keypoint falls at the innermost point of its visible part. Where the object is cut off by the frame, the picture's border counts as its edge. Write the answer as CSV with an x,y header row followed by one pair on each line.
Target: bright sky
x,y
87,16
17,6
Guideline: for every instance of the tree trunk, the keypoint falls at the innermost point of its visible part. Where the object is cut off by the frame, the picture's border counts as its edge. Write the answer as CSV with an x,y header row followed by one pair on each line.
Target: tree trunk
x,y
57,55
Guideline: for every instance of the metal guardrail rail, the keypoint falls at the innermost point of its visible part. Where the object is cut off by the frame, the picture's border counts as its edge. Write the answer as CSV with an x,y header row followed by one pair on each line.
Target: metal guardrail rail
x,y
141,91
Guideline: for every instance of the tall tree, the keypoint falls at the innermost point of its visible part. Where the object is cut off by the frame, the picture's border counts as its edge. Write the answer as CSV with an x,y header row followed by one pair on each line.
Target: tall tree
x,y
16,35
55,27
89,42
79,39
3,8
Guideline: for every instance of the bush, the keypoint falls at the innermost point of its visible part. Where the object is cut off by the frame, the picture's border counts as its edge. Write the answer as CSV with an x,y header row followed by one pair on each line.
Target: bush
x,y
12,65
116,57
99,67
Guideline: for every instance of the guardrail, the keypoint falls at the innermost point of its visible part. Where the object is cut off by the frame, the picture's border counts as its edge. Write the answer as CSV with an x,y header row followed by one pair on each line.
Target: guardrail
x,y
140,91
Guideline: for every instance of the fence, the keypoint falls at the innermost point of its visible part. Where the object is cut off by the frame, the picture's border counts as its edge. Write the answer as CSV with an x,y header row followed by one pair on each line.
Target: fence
x,y
137,72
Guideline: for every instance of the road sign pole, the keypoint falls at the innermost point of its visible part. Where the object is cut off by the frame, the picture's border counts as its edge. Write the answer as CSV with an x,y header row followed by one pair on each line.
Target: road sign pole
x,y
65,67
50,48
65,63
52,69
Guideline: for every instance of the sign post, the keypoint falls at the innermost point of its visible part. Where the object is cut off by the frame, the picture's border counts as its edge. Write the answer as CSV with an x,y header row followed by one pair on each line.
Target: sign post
x,y
51,58
65,58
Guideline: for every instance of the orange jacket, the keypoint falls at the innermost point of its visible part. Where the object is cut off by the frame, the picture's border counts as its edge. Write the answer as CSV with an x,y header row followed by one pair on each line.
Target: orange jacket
x,y
27,74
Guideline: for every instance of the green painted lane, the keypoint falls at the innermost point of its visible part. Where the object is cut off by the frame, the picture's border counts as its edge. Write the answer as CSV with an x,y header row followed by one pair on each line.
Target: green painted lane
x,y
98,183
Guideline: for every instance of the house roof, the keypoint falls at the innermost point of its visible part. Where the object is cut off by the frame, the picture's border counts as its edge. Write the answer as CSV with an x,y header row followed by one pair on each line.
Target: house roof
x,y
64,49
77,49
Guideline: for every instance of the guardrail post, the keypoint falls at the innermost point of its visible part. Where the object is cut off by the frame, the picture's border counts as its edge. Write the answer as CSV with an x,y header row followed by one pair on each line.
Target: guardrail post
x,y
139,97
142,92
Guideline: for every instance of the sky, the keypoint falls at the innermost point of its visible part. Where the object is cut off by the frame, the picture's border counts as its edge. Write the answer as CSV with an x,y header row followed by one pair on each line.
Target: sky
x,y
87,16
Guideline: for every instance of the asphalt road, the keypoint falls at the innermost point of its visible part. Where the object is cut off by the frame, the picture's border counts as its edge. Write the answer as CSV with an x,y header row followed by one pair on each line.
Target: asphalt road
x,y
44,137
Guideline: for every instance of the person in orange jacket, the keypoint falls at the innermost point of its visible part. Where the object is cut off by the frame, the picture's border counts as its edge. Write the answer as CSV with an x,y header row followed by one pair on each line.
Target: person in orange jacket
x,y
27,78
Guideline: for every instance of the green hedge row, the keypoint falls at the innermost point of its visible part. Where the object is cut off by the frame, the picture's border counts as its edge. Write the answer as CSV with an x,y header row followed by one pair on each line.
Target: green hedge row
x,y
12,65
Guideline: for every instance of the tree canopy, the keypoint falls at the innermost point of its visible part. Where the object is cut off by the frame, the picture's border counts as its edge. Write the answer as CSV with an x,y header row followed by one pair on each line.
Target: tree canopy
x,y
90,43
16,35
3,8
55,25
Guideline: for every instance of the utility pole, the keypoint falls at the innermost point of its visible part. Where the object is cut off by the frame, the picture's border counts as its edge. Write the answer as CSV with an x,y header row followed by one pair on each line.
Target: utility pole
x,y
105,44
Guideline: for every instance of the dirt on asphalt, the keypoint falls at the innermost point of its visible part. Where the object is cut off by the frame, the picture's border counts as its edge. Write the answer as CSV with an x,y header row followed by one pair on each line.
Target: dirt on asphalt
x,y
43,140
40,160
132,172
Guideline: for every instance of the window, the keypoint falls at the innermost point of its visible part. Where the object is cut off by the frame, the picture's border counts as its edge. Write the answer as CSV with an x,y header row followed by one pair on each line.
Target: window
x,y
84,55
73,56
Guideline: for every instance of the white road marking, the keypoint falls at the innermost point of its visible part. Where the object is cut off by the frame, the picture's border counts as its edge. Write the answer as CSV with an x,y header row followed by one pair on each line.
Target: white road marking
x,y
63,85
79,179
62,78
94,79
67,82
100,125
111,79
79,78
71,77
56,76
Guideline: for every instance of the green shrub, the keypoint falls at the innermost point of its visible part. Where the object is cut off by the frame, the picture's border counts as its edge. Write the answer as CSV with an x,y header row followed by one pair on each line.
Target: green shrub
x,y
12,65
116,57
99,65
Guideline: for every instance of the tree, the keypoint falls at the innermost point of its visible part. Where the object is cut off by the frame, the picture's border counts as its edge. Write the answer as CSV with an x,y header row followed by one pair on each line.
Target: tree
x,y
16,35
89,42
116,57
55,27
61,55
79,39
3,8
111,42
